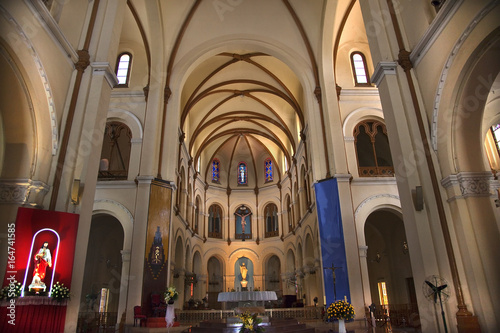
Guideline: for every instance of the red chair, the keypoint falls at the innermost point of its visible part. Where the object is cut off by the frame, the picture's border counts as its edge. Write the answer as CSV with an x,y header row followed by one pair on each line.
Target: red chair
x,y
158,305
139,316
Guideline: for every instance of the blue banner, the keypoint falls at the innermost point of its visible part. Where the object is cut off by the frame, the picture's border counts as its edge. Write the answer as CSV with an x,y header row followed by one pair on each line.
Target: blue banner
x,y
332,241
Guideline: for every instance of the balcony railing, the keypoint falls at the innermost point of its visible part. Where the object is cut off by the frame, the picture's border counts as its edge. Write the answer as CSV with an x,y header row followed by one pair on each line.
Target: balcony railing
x,y
376,171
274,233
195,316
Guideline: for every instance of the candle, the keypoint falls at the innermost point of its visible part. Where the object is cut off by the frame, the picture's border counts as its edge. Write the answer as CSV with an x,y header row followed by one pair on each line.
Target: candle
x,y
345,299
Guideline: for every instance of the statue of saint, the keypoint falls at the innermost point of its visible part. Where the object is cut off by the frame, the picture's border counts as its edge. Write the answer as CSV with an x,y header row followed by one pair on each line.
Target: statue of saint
x,y
243,271
42,260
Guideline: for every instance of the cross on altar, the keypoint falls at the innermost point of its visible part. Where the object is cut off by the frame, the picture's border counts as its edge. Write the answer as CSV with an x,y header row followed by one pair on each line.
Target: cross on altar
x,y
333,268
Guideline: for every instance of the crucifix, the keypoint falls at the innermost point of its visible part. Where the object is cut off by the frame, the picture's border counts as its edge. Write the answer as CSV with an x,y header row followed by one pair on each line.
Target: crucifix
x,y
333,268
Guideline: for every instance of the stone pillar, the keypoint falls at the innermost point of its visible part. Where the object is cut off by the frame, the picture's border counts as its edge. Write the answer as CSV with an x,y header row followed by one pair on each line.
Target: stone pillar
x,y
365,278
124,281
137,253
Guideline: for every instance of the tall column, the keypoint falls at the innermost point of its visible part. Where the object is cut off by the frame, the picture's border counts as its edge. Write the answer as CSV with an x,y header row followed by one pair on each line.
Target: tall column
x,y
428,238
137,253
85,141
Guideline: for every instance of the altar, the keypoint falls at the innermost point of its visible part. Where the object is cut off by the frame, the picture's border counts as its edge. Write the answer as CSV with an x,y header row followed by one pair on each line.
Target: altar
x,y
246,301
247,296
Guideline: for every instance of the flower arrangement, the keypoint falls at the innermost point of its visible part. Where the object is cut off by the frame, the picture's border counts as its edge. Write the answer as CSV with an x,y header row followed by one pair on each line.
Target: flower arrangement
x,y
10,291
250,323
59,292
340,310
170,294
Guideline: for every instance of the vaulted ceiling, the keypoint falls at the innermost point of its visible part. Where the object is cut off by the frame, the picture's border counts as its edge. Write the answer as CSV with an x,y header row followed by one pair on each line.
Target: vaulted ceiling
x,y
242,105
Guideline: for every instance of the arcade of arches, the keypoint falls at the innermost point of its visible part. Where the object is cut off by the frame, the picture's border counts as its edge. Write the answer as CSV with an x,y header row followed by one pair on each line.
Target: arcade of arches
x,y
200,132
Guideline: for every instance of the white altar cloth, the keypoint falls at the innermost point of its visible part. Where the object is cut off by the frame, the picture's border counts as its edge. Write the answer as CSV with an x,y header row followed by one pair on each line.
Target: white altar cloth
x,y
241,296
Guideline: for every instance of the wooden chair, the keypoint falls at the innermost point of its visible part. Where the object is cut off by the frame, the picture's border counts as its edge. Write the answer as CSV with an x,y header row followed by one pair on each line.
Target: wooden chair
x,y
139,316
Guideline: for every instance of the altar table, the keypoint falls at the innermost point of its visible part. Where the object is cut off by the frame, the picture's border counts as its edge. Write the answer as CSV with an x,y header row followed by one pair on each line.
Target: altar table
x,y
243,296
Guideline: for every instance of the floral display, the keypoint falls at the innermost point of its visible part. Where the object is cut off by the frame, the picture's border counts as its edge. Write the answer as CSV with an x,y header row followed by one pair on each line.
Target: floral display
x,y
10,291
340,310
59,292
170,294
250,323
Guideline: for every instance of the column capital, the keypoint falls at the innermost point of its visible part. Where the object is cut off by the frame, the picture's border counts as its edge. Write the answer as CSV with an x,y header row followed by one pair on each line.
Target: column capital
x,y
382,69
103,68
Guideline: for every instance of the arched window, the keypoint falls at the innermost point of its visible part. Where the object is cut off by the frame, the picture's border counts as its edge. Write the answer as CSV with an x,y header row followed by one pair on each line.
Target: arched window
x,y
215,221
196,215
115,153
495,130
215,171
492,148
289,213
269,170
372,149
271,218
123,69
242,174
359,70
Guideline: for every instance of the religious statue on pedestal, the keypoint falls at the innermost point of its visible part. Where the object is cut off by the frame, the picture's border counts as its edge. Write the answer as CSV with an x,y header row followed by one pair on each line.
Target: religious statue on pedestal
x,y
42,260
243,271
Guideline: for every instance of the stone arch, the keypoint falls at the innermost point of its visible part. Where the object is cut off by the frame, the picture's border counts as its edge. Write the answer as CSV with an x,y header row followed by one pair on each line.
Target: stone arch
x,y
358,115
371,204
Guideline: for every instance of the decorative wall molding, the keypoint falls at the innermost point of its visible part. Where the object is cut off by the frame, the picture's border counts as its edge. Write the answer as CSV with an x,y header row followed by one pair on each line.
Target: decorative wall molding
x,y
144,180
360,92
343,177
25,192
370,181
367,200
471,184
434,30
115,184
51,27
128,94
382,69
447,65
43,76
103,68
117,204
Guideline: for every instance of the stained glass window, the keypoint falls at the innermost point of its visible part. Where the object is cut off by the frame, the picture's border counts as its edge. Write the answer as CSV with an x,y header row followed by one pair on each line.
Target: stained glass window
x,y
269,170
359,68
123,69
242,174
215,171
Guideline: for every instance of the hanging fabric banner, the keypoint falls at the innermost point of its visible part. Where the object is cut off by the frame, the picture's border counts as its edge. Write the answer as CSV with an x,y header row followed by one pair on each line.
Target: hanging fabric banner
x,y
334,261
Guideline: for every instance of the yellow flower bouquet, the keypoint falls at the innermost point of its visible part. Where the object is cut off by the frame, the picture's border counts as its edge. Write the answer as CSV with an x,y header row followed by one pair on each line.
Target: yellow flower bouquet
x,y
170,295
250,323
340,310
